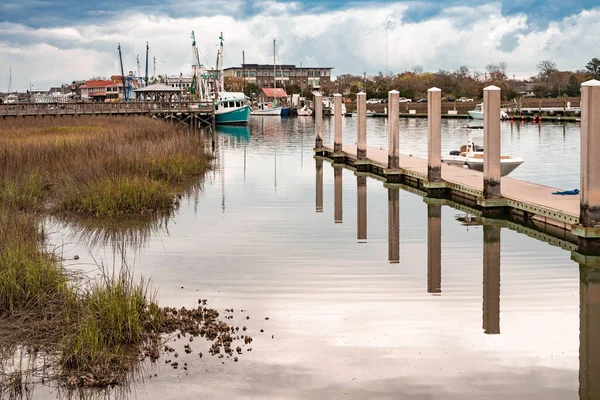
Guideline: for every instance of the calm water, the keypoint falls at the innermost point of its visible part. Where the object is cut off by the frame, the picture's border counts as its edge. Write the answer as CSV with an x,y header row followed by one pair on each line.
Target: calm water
x,y
423,308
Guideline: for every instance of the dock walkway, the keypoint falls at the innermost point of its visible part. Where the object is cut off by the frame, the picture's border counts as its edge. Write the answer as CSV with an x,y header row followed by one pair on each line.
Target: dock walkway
x,y
531,198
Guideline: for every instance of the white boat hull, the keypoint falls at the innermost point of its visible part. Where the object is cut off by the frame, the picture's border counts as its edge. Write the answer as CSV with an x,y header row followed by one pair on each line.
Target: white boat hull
x,y
274,111
304,112
507,165
479,114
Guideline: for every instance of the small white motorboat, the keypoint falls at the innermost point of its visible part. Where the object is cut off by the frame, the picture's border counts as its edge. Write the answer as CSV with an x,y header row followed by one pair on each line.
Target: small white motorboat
x,y
266,109
477,112
305,111
471,156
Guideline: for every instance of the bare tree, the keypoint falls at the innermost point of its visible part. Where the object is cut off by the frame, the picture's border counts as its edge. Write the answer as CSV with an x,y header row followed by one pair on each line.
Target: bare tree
x,y
497,71
417,69
546,70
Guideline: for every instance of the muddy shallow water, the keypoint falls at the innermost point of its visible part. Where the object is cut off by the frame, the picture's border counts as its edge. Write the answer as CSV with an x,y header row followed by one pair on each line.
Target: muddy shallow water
x,y
414,311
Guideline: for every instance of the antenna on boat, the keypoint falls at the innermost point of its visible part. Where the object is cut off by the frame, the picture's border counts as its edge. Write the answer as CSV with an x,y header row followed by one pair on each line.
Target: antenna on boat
x,y
147,49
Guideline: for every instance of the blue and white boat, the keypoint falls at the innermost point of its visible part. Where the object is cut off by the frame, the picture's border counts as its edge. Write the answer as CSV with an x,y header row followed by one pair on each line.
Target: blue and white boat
x,y
231,108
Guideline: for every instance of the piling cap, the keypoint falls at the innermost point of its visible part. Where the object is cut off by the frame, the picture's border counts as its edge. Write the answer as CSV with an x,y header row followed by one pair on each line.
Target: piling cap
x,y
361,94
337,95
318,95
492,87
394,92
434,89
592,82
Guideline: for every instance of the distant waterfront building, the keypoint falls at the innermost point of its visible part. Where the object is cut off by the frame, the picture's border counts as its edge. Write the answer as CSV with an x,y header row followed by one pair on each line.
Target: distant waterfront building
x,y
263,75
105,90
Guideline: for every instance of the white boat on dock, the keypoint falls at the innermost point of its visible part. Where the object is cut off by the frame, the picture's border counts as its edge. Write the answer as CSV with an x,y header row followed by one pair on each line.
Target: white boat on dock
x,y
471,156
305,111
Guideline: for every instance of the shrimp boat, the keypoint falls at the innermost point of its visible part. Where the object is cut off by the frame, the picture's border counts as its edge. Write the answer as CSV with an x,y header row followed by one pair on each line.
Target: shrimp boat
x,y
471,156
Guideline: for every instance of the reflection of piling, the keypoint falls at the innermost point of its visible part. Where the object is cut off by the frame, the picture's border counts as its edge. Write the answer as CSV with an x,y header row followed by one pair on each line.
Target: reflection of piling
x,y
491,279
394,225
393,129
589,333
491,142
318,120
434,248
434,133
337,193
337,123
319,185
361,134
361,209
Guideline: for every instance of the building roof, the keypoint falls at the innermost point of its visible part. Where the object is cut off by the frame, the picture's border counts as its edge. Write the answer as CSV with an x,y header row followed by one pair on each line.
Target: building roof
x,y
158,87
278,93
97,83
270,66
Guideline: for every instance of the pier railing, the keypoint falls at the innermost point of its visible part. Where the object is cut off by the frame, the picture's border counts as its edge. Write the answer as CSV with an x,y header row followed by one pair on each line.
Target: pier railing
x,y
96,108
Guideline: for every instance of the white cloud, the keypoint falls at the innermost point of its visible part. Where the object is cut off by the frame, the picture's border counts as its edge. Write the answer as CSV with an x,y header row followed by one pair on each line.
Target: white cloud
x,y
351,40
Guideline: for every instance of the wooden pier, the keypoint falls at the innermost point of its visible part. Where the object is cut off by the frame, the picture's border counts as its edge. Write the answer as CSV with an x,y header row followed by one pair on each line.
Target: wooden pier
x,y
176,112
573,220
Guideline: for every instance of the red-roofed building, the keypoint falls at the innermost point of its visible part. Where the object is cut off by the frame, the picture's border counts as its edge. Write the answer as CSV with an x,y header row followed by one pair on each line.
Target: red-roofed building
x,y
101,90
267,94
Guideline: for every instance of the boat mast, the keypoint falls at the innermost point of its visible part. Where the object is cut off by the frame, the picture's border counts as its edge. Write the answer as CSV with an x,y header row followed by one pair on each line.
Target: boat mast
x,y
9,79
274,74
122,74
221,70
147,48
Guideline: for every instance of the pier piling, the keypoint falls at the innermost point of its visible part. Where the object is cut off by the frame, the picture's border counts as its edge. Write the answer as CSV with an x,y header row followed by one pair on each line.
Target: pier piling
x,y
318,120
491,278
394,130
319,185
337,123
434,133
393,225
361,134
337,194
491,143
590,154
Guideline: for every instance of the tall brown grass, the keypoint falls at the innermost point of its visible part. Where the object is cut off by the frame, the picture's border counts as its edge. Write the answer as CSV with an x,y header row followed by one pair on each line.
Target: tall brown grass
x,y
99,166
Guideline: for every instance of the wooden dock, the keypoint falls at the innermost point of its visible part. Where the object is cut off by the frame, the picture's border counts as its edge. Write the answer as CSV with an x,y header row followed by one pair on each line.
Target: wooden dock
x,y
180,112
574,219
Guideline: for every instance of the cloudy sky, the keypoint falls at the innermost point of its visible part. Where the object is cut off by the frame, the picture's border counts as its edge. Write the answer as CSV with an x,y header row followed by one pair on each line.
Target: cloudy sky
x,y
47,42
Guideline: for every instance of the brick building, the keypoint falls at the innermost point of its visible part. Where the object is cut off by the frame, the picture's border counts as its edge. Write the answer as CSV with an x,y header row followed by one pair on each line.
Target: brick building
x,y
263,75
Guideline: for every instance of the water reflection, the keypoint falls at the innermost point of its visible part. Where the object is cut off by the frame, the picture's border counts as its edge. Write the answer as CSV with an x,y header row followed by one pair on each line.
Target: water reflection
x,y
434,248
337,193
238,131
589,333
393,225
361,208
319,185
491,279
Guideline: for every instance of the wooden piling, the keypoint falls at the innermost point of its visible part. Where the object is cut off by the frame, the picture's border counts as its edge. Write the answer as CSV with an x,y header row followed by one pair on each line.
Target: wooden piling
x,y
319,185
491,143
393,130
590,154
318,120
434,133
337,122
361,134
394,224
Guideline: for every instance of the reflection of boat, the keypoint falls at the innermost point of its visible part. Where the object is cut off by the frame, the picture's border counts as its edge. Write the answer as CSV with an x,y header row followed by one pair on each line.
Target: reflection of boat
x,y
468,219
477,112
239,131
304,111
471,156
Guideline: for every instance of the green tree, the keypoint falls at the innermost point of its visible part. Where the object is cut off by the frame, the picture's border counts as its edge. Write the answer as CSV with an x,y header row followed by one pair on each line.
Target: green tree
x,y
572,88
251,89
593,68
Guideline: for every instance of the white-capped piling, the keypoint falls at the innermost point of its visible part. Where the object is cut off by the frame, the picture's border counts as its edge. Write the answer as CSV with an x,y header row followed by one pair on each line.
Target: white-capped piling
x,y
337,123
361,134
491,142
589,215
318,103
393,129
434,135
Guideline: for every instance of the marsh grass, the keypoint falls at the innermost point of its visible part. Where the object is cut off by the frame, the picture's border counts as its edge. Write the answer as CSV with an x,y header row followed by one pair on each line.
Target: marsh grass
x,y
97,166
92,167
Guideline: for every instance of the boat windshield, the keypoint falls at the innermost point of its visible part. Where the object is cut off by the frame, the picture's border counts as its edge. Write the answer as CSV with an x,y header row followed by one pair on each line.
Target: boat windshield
x,y
477,143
